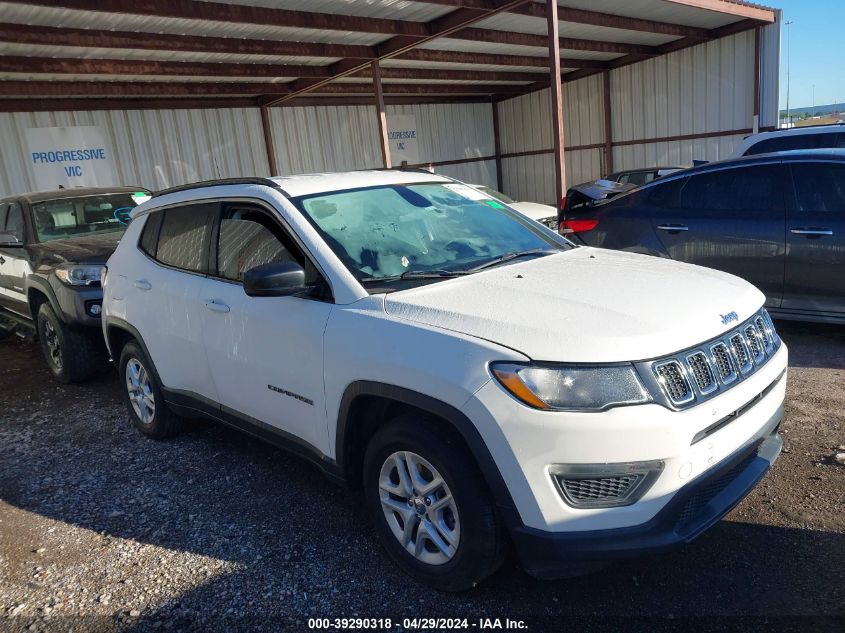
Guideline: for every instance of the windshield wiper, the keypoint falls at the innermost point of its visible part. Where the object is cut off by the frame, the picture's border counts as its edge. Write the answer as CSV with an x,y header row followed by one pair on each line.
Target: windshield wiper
x,y
432,274
514,255
419,274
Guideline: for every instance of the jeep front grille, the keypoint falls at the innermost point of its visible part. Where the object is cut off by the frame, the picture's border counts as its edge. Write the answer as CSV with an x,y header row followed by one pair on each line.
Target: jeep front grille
x,y
740,349
713,367
702,373
725,363
672,378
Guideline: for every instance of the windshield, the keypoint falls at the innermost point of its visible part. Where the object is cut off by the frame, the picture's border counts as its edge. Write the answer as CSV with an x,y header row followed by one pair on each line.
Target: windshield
x,y
389,231
71,217
496,194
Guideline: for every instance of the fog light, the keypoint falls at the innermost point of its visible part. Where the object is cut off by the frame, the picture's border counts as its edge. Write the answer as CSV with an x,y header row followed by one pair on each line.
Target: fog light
x,y
604,485
95,309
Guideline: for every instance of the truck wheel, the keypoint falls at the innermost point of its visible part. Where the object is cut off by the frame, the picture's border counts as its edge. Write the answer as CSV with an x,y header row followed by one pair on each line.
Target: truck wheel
x,y
143,396
72,356
431,505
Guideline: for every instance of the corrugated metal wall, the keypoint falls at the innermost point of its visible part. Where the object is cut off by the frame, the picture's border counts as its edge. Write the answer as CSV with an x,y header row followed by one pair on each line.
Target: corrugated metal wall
x,y
152,148
525,125
699,90
162,148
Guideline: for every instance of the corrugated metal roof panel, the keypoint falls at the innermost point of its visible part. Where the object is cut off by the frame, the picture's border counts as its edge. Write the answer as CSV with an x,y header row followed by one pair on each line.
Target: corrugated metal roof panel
x,y
450,44
391,9
50,16
658,10
45,50
140,78
542,73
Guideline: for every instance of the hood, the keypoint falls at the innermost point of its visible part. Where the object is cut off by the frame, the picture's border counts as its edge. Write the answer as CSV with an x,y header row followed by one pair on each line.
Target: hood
x,y
584,305
535,210
94,248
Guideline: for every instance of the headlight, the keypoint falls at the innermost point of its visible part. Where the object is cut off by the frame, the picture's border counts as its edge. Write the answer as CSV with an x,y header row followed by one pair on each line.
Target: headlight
x,y
572,387
79,275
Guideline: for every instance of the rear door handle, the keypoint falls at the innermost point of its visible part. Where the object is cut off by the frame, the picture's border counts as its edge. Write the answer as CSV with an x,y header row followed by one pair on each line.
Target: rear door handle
x,y
672,227
143,284
811,230
2,260
215,305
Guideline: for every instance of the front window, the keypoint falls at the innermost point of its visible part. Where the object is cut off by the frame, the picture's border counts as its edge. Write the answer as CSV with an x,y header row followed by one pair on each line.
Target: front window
x,y
496,194
401,231
73,217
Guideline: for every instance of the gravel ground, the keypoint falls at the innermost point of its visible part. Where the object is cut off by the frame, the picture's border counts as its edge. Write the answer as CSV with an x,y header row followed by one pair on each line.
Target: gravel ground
x,y
104,530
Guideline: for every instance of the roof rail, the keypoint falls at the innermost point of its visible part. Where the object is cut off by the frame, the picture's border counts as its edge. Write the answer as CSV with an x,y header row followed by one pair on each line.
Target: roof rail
x,y
267,182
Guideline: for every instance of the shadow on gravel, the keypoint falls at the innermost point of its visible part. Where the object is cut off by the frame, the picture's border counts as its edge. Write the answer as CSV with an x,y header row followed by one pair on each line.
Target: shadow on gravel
x,y
298,547
814,345
303,548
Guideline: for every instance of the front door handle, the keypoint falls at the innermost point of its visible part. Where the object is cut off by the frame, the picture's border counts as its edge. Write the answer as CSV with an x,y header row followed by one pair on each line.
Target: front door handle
x,y
2,260
143,284
672,228
811,231
215,305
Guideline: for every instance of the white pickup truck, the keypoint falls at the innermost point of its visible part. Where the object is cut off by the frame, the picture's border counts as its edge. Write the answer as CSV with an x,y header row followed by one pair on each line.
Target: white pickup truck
x,y
482,380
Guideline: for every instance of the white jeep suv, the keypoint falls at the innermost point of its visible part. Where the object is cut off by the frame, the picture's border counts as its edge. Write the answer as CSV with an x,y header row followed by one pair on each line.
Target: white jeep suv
x,y
483,380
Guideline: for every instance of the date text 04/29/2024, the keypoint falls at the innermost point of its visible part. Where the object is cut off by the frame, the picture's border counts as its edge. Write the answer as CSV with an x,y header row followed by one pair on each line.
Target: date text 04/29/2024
x,y
416,624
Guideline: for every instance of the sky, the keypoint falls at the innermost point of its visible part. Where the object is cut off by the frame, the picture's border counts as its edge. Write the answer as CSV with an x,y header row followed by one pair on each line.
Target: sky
x,y
817,40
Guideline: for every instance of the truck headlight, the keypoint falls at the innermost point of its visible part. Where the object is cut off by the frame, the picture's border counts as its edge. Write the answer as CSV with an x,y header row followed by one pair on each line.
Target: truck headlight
x,y
571,387
79,275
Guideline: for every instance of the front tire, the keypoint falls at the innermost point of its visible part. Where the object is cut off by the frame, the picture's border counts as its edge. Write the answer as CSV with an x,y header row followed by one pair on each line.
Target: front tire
x,y
431,506
143,396
71,355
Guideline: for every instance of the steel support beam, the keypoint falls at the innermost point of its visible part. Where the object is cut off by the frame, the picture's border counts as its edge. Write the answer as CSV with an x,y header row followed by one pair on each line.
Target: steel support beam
x,y
497,146
557,100
384,144
267,129
608,126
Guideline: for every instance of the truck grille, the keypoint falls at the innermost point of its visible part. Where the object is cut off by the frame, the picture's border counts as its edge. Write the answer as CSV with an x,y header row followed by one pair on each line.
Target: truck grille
x,y
716,365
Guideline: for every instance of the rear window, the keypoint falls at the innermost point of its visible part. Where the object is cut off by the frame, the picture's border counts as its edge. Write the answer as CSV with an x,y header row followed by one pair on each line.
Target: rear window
x,y
183,236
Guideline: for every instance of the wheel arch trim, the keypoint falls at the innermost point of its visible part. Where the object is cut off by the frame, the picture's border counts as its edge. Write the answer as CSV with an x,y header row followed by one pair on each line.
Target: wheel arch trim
x,y
451,415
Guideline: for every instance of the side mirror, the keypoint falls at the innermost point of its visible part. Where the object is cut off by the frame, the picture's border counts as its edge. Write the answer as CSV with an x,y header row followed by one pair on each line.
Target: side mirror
x,y
9,240
279,279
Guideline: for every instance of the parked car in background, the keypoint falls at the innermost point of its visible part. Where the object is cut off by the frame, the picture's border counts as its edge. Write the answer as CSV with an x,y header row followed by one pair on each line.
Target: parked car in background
x,y
587,195
776,220
818,137
642,176
485,382
52,247
542,213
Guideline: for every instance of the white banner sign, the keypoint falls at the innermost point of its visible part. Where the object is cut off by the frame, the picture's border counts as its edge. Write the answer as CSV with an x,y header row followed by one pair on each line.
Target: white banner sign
x,y
70,157
402,136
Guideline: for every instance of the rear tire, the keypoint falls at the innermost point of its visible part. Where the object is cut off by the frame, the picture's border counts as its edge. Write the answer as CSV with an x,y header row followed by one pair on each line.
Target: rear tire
x,y
71,355
143,396
437,518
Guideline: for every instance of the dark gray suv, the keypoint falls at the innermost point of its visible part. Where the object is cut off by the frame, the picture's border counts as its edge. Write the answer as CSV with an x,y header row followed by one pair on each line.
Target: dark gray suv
x,y
53,245
776,220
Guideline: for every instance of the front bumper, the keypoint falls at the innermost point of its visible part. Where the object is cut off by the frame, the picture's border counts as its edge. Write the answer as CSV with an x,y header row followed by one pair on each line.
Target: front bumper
x,y
694,508
75,303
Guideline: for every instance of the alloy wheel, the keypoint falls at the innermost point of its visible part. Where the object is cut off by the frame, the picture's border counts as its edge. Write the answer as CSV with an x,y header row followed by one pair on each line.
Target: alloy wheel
x,y
419,508
54,349
140,389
